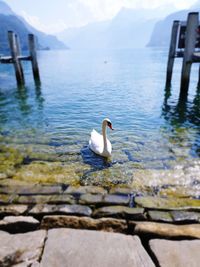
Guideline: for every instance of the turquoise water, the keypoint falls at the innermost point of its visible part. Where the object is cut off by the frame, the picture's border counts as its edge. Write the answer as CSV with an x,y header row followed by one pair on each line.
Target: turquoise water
x,y
156,132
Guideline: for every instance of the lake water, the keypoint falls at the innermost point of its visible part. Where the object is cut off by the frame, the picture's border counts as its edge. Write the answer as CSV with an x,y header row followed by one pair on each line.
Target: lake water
x,y
156,142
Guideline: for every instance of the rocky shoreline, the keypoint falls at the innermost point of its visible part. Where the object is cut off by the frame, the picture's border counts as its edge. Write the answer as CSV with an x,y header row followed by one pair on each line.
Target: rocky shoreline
x,y
161,231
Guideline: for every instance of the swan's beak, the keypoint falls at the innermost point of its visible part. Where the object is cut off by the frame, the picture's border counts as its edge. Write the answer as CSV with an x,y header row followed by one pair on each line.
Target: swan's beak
x,y
110,126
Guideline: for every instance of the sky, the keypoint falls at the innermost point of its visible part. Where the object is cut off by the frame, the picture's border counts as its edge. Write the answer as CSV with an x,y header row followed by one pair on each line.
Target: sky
x,y
52,16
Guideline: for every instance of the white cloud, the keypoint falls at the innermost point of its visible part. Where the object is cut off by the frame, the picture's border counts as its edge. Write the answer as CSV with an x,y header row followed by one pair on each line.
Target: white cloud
x,y
35,21
105,9
75,13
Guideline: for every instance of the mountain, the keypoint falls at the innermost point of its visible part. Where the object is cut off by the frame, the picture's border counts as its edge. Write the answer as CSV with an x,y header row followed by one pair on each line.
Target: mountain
x,y
93,35
9,21
162,30
5,9
120,32
128,29
131,28
46,41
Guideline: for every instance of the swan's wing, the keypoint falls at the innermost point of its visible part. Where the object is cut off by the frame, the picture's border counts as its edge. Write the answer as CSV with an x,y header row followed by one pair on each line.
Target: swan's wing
x,y
96,142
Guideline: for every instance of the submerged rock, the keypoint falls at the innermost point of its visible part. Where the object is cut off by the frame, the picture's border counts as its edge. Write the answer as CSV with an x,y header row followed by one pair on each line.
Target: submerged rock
x,y
114,174
52,172
182,180
10,158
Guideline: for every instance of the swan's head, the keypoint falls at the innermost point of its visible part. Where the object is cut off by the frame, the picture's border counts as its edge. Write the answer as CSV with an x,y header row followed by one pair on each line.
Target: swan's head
x,y
108,123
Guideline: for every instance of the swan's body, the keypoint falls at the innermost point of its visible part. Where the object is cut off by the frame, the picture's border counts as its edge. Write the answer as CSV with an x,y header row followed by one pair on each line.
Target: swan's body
x,y
99,143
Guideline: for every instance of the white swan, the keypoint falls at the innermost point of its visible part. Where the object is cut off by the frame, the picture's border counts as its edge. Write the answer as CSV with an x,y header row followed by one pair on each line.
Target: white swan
x,y
98,143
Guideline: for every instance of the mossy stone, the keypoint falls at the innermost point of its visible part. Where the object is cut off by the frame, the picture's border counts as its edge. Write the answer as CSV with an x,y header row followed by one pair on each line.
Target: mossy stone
x,y
120,212
159,216
10,158
51,172
168,203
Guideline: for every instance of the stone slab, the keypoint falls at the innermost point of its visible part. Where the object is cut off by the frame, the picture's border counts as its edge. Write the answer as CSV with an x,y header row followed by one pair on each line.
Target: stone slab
x,y
91,199
161,203
103,224
122,191
100,200
160,216
13,209
51,199
6,199
18,224
73,190
176,253
21,248
167,230
114,199
47,209
31,189
120,212
186,216
83,248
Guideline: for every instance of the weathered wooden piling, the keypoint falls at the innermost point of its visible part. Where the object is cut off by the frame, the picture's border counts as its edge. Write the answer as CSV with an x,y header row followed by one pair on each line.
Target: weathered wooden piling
x,y
33,56
14,47
16,58
18,47
198,84
190,43
172,51
187,47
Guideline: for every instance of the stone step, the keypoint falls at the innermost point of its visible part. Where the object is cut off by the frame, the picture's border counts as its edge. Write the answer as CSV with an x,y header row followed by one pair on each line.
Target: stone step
x,y
21,248
176,253
103,224
167,230
83,248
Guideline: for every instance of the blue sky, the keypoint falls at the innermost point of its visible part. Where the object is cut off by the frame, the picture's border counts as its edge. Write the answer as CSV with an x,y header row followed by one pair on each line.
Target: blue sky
x,y
55,15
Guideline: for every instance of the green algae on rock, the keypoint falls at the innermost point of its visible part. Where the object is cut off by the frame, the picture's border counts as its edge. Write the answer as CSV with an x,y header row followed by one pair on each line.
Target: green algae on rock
x,y
10,159
168,203
52,172
116,174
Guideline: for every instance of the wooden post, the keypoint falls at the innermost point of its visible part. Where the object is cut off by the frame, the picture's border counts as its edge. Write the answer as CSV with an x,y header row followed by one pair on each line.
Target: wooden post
x,y
18,48
14,53
190,42
198,84
33,55
172,51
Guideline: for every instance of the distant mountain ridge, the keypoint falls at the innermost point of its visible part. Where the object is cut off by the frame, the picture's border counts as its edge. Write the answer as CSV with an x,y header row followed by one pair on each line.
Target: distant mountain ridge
x,y
10,21
162,30
5,9
130,28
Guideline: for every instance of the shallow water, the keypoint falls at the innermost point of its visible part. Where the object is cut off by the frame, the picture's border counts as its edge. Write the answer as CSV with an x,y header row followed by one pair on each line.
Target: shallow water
x,y
156,142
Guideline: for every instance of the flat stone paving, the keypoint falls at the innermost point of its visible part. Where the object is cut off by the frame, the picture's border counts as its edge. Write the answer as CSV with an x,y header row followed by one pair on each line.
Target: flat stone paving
x,y
83,248
44,226
176,253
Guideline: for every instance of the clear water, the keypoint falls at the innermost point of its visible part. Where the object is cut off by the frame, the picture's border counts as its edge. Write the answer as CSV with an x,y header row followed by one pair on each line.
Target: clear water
x,y
156,142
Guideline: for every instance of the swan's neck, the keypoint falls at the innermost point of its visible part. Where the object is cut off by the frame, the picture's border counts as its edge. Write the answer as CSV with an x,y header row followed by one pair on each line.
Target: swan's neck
x,y
104,136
